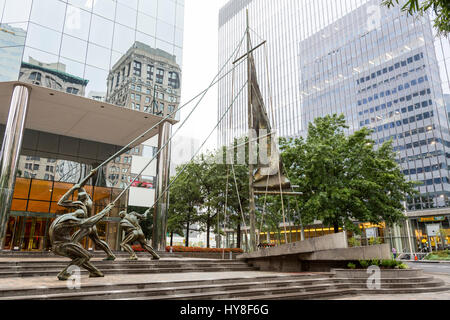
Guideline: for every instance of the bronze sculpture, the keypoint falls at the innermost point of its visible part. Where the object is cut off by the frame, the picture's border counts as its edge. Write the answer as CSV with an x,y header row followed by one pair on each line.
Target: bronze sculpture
x,y
84,203
133,232
63,243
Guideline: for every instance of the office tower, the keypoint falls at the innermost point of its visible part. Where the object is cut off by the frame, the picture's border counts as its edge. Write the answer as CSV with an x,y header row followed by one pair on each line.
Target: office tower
x,y
144,79
55,60
382,69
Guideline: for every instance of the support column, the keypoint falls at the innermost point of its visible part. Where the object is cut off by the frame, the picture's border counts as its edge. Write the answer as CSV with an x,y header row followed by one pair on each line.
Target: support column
x,y
10,152
163,179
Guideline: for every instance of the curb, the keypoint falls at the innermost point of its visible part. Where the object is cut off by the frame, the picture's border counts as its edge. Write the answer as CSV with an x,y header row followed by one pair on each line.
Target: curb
x,y
428,261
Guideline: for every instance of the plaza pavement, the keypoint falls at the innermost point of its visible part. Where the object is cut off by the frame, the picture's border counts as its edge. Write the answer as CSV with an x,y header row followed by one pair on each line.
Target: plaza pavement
x,y
52,282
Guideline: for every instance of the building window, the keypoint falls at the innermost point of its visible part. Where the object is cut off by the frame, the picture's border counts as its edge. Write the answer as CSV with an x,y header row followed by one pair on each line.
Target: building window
x,y
137,68
160,76
174,80
72,90
35,76
117,79
150,71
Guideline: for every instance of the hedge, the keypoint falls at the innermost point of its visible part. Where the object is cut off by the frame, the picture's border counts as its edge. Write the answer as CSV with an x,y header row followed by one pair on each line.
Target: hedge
x,y
196,249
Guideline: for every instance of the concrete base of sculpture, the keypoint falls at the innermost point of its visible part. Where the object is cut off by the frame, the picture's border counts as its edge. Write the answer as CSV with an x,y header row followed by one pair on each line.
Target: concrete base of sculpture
x,y
317,254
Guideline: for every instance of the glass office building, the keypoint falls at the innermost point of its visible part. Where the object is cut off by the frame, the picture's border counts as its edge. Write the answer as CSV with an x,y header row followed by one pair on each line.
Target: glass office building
x,y
382,69
79,46
81,40
90,49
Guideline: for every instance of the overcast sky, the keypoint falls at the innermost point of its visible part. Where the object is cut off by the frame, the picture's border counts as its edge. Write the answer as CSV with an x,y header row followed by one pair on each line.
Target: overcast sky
x,y
200,66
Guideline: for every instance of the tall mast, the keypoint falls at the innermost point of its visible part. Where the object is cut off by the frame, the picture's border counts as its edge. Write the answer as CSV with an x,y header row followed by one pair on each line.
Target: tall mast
x,y
250,147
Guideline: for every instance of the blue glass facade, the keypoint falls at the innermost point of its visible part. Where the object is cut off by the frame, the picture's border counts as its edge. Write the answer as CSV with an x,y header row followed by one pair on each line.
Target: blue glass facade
x,y
382,69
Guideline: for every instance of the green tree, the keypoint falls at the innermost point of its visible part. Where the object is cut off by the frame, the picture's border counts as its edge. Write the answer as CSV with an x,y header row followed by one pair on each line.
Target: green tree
x,y
441,8
185,200
343,178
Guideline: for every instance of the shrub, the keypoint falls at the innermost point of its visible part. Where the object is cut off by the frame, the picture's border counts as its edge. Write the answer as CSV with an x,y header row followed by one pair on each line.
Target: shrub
x,y
374,241
353,242
351,265
375,262
402,266
389,263
364,264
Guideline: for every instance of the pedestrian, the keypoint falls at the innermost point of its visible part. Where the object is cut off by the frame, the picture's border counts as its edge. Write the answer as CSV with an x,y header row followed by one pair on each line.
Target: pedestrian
x,y
394,252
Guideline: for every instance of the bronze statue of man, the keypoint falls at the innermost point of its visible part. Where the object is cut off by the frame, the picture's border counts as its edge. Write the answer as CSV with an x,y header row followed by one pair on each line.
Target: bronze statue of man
x,y
84,203
133,232
63,243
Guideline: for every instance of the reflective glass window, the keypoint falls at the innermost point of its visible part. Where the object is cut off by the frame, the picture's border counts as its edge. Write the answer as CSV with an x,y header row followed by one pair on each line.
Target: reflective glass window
x,y
105,8
77,22
73,48
101,32
16,11
43,39
49,13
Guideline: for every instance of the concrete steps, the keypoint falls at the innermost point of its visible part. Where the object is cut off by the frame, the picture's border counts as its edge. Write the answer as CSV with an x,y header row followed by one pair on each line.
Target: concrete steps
x,y
198,289
282,287
184,279
96,254
10,269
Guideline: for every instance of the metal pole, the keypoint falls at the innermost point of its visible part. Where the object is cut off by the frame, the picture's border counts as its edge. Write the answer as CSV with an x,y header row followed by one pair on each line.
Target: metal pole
x,y
161,208
10,152
250,147
409,239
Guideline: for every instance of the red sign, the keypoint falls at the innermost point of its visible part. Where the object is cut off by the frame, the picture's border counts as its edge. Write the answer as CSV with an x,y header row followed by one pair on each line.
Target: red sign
x,y
141,184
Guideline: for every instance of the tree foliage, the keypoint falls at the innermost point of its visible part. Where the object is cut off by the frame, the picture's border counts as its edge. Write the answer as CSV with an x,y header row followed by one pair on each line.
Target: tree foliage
x,y
441,9
343,178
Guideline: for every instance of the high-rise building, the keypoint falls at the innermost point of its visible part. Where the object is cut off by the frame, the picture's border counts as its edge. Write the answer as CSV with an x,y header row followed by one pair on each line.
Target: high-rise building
x,y
144,79
379,67
56,123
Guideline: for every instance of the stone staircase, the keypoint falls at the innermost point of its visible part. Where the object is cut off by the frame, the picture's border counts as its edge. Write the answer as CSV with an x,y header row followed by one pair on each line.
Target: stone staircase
x,y
96,254
51,267
243,286
33,276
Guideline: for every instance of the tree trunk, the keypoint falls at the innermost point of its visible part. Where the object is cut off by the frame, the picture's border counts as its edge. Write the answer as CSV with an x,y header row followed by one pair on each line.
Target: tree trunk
x,y
208,228
336,227
238,245
171,239
187,230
